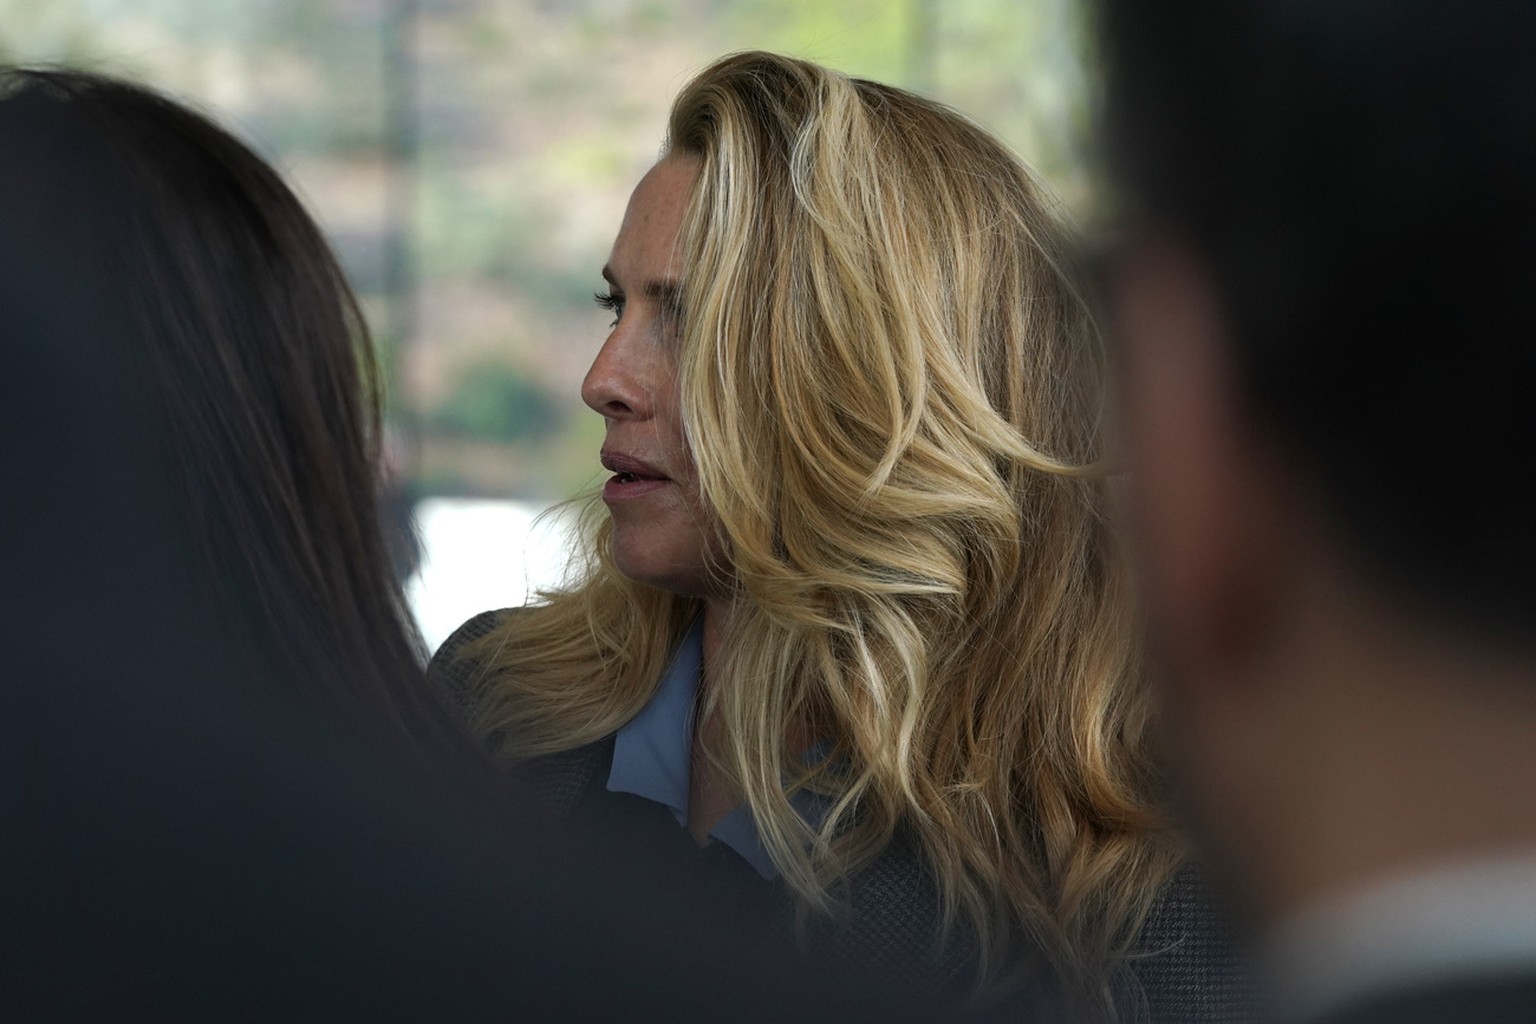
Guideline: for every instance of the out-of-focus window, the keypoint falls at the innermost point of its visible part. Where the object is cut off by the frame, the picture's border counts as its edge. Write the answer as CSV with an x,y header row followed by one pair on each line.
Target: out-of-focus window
x,y
470,161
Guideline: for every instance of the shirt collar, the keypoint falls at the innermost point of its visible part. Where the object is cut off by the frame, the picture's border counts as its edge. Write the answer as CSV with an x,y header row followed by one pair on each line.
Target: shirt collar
x,y
653,750
1439,923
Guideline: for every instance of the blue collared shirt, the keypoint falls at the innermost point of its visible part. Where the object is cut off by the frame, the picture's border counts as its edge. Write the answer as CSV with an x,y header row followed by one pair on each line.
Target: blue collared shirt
x,y
653,751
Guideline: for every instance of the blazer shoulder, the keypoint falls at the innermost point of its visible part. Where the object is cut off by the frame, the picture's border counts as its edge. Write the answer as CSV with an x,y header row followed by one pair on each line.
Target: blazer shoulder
x,y
559,779
1188,959
452,670
889,934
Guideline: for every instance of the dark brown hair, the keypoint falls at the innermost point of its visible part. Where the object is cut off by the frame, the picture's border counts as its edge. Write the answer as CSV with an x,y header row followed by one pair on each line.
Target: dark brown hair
x,y
250,346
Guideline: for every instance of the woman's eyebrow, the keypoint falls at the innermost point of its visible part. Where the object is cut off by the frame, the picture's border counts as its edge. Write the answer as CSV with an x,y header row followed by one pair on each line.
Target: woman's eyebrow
x,y
667,294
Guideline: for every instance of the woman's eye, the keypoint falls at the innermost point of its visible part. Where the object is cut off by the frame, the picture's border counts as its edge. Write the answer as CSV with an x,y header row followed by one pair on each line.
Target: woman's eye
x,y
611,302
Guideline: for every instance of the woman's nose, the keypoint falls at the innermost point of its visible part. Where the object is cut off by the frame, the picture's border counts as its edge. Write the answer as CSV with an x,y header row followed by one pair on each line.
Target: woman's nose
x,y
618,384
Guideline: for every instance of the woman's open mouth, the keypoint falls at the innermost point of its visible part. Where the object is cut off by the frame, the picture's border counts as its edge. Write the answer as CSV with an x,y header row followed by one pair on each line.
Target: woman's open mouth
x,y
631,478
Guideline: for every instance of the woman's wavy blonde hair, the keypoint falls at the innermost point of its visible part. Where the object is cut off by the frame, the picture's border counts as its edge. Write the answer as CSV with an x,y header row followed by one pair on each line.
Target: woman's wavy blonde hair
x,y
891,389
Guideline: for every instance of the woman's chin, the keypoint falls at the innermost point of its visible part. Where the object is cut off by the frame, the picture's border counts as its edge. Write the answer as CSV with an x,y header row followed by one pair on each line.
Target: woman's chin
x,y
674,576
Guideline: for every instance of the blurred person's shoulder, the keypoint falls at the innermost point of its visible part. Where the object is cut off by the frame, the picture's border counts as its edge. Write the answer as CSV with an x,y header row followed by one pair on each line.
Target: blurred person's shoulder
x,y
1508,998
1450,941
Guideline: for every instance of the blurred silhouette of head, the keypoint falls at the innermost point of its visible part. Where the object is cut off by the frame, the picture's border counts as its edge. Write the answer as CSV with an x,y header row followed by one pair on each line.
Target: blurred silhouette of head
x,y
1325,308
1358,180
248,346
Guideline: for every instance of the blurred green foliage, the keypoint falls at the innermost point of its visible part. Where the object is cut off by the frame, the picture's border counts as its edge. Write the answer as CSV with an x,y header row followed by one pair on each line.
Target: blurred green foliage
x,y
497,402
863,37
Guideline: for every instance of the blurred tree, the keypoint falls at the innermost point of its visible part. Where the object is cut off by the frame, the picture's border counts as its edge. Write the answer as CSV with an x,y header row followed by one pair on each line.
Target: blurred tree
x,y
495,401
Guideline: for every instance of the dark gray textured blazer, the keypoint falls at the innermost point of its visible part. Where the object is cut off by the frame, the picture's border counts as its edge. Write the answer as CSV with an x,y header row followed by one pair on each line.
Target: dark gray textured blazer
x,y
1186,965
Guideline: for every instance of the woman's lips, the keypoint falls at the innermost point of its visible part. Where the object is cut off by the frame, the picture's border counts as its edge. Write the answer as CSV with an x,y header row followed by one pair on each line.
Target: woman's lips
x,y
631,478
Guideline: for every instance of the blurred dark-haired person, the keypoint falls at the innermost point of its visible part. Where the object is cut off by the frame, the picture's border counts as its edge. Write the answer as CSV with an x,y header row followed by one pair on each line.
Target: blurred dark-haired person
x,y
1326,305
246,339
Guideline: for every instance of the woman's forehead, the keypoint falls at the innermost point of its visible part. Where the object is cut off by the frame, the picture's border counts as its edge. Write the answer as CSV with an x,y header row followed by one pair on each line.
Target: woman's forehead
x,y
647,250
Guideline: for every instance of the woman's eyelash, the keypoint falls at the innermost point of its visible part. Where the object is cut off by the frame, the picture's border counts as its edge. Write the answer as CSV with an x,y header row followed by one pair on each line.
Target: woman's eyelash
x,y
613,303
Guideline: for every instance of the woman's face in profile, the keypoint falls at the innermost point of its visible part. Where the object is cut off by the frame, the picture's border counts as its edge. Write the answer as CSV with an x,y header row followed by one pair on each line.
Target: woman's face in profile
x,y
660,531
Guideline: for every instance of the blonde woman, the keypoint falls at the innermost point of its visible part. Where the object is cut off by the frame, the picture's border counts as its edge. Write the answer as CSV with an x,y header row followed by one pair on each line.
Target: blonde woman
x,y
851,613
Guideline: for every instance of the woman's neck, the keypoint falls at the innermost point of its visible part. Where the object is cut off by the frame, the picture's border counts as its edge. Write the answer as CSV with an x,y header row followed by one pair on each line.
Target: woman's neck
x,y
716,613
708,801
